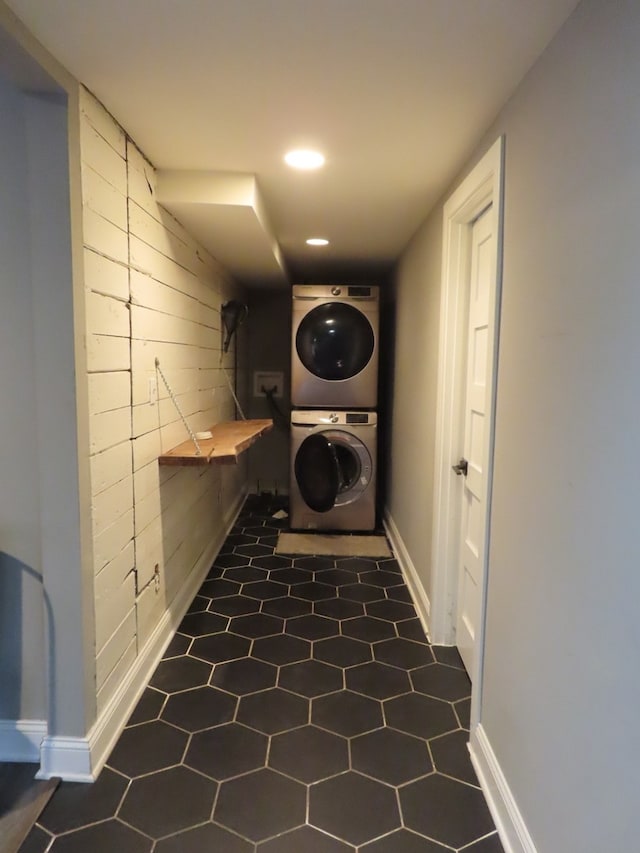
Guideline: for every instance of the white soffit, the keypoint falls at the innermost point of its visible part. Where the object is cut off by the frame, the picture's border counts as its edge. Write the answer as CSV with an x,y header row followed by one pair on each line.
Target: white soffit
x,y
226,213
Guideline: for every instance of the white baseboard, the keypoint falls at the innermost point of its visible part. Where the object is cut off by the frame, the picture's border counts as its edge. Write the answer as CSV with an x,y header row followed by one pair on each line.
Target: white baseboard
x,y
417,590
82,759
502,805
20,740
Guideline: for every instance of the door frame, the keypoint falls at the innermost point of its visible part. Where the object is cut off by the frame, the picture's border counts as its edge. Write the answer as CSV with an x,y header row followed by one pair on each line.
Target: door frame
x,y
481,188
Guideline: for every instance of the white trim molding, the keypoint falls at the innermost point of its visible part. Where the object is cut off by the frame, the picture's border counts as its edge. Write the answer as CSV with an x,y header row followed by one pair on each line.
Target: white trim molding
x,y
502,805
20,740
416,587
82,759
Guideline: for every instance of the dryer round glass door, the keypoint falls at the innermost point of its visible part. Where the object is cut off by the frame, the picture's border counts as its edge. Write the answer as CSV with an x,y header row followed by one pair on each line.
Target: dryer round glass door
x,y
332,469
335,341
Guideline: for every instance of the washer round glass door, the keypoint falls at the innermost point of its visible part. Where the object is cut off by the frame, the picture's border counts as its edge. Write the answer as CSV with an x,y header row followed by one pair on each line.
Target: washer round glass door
x,y
335,341
332,469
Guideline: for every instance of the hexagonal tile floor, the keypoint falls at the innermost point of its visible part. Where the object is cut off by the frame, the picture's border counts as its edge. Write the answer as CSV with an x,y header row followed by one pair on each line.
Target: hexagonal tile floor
x,y
298,707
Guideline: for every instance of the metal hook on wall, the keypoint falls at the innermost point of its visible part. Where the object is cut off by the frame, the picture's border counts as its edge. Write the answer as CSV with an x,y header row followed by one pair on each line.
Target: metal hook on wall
x,y
233,314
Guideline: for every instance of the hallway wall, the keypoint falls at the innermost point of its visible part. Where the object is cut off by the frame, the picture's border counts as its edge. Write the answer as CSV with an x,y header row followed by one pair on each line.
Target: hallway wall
x,y
152,292
561,689
21,604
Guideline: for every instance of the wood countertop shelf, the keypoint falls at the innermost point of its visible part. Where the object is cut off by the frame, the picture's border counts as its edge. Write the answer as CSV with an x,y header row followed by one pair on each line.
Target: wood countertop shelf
x,y
228,440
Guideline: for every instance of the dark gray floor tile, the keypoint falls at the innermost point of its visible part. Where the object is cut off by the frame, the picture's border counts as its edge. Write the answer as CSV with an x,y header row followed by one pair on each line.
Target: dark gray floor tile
x,y
179,645
390,565
265,590
244,676
346,713
412,629
199,603
234,605
353,808
310,678
339,608
201,839
180,674
314,564
490,844
420,715
168,801
281,650
402,653
218,648
243,538
273,711
378,680
449,655
451,756
148,707
313,627
306,839
287,607
103,838
309,754
383,579
200,708
342,651
36,841
273,561
315,591
218,588
200,624
368,628
441,681
75,804
356,564
256,625
253,550
404,841
445,810
148,747
361,592
463,713
400,593
246,574
390,756
336,577
261,805
227,751
262,530
291,576
394,611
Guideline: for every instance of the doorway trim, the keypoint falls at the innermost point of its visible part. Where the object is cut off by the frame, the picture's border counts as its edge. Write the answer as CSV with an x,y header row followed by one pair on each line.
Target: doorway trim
x,y
480,189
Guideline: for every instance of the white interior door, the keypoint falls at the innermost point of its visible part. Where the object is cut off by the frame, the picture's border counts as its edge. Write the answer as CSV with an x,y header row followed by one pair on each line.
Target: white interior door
x,y
476,432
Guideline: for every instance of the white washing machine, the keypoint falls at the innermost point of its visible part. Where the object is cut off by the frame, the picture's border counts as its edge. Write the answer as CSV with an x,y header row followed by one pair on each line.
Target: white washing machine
x,y
333,470
334,346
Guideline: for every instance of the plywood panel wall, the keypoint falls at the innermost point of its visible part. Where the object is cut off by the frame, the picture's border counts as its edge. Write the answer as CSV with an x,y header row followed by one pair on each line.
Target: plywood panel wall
x,y
152,293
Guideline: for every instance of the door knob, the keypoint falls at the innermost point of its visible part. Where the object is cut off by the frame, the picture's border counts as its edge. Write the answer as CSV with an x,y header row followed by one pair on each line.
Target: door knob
x,y
461,468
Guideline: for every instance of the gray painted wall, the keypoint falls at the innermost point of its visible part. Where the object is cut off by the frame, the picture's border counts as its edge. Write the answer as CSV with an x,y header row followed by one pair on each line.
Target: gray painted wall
x,y
21,606
269,348
561,689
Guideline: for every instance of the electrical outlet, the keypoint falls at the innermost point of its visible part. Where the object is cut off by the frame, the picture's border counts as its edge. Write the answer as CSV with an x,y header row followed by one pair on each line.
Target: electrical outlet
x,y
266,380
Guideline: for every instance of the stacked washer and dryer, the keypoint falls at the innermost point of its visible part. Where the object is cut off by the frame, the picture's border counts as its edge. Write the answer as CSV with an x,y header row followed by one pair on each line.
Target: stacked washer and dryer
x,y
334,394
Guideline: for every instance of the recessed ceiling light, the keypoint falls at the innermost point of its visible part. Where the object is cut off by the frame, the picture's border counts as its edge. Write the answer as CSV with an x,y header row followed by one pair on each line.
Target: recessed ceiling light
x,y
317,241
304,159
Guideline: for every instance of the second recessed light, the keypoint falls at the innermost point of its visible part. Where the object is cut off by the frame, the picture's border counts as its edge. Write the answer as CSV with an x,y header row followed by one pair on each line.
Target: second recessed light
x,y
317,241
304,159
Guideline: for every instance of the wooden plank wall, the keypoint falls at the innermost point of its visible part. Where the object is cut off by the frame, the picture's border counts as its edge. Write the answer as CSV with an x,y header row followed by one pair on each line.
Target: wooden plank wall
x,y
152,292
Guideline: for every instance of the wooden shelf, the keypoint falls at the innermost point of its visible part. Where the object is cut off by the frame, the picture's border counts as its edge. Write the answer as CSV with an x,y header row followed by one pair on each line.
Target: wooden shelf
x,y
227,442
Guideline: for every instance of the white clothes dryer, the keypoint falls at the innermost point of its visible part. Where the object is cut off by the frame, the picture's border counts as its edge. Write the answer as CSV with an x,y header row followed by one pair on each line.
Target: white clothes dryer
x,y
333,470
334,346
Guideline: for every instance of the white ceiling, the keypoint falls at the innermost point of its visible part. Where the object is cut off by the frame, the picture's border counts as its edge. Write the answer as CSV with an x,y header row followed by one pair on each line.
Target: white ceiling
x,y
396,93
